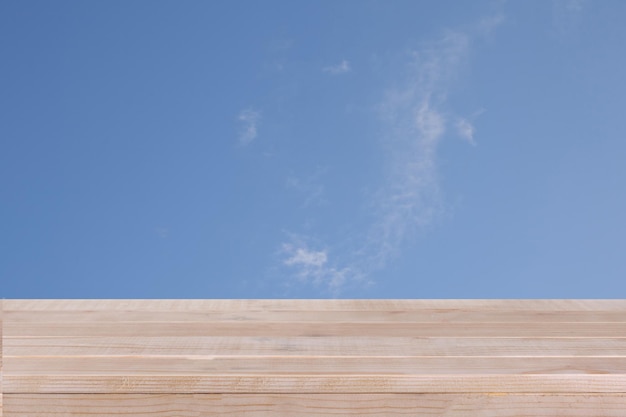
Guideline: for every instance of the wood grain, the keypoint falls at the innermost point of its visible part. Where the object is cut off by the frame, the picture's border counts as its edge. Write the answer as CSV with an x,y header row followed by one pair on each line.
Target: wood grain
x,y
313,346
310,405
1,354
431,315
313,329
305,383
77,366
313,357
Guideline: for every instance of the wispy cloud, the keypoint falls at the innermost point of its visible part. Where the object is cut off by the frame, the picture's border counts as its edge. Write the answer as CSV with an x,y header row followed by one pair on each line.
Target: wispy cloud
x,y
410,197
415,118
466,129
341,68
314,267
302,256
249,119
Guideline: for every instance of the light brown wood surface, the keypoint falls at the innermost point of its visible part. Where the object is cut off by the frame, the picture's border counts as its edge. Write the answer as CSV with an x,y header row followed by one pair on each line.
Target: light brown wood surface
x,y
315,405
313,357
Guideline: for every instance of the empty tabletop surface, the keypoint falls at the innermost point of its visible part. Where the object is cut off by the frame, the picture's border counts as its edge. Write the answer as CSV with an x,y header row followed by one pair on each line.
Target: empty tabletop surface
x,y
226,353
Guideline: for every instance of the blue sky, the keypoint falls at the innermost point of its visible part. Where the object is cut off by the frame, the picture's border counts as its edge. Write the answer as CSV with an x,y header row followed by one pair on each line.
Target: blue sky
x,y
313,149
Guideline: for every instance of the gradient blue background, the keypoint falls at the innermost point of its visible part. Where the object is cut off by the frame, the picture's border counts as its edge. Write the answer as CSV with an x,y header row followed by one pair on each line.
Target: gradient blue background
x,y
269,149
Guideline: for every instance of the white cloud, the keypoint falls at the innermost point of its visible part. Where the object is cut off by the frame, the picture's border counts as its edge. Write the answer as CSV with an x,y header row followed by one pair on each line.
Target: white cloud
x,y
249,119
341,68
465,127
410,195
302,256
313,267
430,123
466,130
415,119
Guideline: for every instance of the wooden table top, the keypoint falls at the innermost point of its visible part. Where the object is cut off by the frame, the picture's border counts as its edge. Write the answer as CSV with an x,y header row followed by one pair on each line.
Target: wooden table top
x,y
312,357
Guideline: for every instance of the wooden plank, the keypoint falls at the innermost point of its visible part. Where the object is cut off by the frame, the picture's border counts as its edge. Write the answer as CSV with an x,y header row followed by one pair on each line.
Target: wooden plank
x,y
465,315
205,366
1,354
268,383
271,357
324,346
314,329
311,405
176,305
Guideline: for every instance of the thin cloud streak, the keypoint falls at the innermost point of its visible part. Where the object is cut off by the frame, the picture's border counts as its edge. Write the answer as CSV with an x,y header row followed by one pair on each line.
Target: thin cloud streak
x,y
341,68
313,266
466,130
249,120
409,197
304,257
